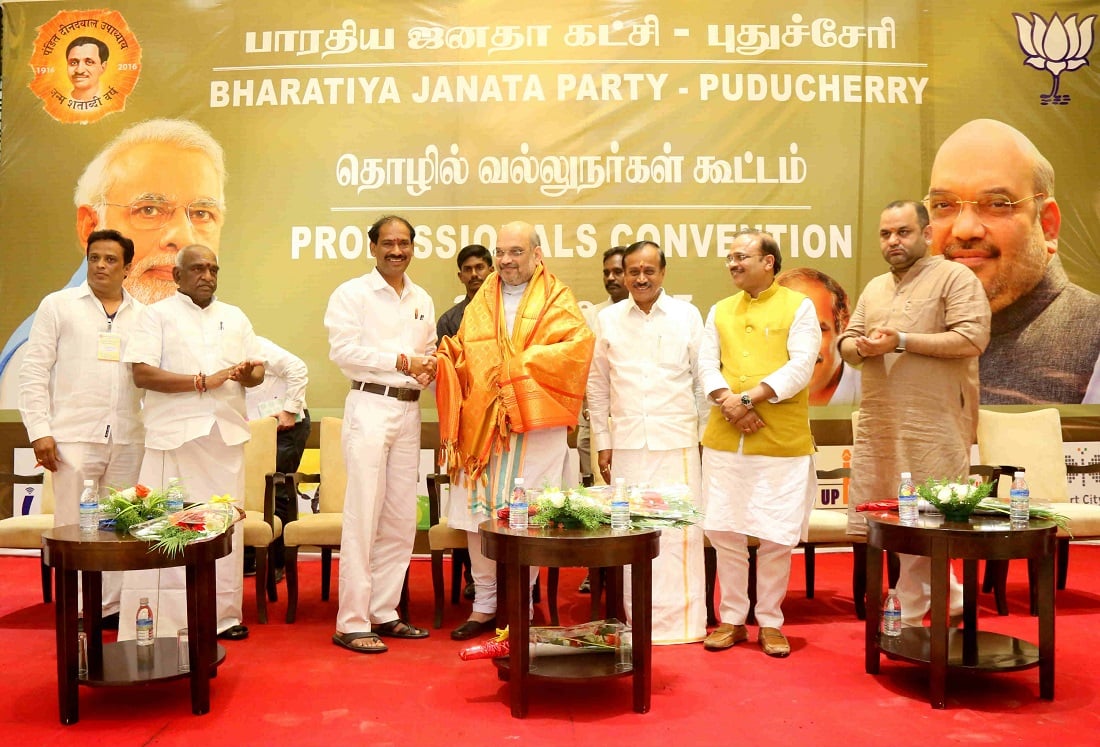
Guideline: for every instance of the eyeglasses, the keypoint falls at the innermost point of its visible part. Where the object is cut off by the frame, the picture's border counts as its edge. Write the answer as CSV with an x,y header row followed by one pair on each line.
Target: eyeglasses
x,y
389,244
204,215
738,258
944,206
513,253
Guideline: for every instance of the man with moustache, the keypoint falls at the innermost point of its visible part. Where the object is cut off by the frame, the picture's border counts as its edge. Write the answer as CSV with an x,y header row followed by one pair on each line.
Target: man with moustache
x,y
648,409
992,206
194,355
510,385
381,333
758,354
77,398
834,382
916,333
86,57
162,183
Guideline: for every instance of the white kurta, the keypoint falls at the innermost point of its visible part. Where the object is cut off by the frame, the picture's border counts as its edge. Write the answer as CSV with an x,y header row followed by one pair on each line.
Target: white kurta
x,y
196,437
369,324
72,392
648,406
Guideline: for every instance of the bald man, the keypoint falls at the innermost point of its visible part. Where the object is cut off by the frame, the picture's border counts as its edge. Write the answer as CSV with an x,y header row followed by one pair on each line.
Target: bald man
x,y
992,208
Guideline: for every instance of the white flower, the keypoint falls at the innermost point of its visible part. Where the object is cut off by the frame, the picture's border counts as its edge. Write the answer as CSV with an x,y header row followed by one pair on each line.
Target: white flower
x,y
555,497
945,494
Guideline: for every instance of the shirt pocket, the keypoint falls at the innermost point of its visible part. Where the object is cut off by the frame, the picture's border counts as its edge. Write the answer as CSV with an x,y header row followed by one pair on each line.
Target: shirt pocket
x,y
920,314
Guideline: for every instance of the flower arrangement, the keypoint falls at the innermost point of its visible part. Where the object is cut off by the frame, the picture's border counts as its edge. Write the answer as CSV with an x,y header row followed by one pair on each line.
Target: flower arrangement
x,y
124,509
175,531
598,636
955,499
576,508
570,509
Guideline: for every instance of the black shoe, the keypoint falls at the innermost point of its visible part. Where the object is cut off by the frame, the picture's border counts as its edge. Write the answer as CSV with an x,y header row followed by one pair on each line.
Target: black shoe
x,y
280,573
473,628
236,633
469,592
109,622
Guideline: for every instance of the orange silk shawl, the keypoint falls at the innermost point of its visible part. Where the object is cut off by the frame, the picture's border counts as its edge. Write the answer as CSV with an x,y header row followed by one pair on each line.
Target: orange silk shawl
x,y
490,384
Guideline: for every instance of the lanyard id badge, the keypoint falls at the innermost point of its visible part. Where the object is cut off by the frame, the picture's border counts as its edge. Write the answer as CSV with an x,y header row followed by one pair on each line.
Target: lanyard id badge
x,y
109,347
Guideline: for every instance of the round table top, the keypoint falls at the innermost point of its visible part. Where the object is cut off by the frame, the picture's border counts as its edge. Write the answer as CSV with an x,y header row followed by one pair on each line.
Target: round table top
x,y
980,536
568,548
70,548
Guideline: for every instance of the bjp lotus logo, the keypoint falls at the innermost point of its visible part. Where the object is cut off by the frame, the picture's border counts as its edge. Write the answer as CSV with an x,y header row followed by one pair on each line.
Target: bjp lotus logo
x,y
1056,46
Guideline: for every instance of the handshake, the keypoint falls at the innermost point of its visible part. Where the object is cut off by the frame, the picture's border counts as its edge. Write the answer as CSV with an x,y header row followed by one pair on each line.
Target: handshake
x,y
420,367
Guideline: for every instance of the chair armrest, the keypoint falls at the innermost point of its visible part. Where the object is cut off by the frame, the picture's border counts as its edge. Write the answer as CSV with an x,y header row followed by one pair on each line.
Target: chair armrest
x,y
271,479
294,479
434,480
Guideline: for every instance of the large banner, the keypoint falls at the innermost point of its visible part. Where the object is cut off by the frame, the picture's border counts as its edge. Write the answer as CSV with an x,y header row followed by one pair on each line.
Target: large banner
x,y
601,122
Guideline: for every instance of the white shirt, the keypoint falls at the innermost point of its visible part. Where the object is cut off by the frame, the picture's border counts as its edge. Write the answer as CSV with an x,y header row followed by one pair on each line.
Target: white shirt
x,y
178,336
65,390
645,375
592,315
803,346
284,386
369,325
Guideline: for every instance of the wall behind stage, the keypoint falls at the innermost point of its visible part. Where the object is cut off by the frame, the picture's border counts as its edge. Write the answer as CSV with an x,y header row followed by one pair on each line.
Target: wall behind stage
x,y
601,121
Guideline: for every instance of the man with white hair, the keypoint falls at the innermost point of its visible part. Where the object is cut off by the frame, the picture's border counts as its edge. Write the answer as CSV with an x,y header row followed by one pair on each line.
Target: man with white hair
x,y
161,183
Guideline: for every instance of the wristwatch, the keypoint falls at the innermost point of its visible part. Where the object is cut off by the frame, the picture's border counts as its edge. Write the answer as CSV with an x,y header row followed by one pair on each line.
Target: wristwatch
x,y
901,343
746,400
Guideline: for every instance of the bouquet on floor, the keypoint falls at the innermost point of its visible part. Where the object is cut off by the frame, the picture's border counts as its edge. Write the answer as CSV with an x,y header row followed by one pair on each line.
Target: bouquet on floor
x,y
599,636
664,506
173,532
123,509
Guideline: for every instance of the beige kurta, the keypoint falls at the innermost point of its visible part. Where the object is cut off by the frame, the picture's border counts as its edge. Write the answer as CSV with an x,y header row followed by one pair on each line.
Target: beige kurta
x,y
917,413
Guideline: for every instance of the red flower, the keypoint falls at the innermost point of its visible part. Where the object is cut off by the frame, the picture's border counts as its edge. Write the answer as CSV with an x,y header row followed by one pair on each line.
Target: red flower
x,y
141,491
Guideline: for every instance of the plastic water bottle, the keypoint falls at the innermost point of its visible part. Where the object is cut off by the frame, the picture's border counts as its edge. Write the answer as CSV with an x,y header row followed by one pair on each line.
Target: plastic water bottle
x,y
89,507
891,615
174,496
907,499
620,507
143,624
517,510
1019,504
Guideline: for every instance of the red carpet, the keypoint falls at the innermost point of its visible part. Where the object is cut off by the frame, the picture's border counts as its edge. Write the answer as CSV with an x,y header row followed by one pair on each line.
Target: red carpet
x,y
288,685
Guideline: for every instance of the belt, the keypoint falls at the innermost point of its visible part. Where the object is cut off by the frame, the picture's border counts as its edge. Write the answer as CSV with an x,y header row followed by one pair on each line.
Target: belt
x,y
404,395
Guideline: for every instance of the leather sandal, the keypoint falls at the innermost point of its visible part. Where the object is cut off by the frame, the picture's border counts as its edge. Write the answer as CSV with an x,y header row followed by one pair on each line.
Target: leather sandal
x,y
399,629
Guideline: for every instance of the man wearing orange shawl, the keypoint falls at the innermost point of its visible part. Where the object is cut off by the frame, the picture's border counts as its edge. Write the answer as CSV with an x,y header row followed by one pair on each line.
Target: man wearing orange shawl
x,y
509,387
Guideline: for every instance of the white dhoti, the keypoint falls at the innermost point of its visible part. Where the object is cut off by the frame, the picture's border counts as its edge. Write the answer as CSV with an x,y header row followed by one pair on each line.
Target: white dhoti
x,y
541,458
766,497
110,465
207,467
679,581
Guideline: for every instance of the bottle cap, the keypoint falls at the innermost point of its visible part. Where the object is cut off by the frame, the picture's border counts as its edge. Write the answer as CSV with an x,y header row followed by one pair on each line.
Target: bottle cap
x,y
906,474
620,481
892,591
89,483
1021,473
144,600
519,481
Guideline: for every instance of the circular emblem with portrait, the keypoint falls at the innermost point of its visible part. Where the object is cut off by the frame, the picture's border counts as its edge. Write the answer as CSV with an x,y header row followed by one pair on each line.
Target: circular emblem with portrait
x,y
85,64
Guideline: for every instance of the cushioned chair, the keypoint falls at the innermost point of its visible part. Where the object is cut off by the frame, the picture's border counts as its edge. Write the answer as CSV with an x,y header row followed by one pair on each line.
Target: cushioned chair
x,y
261,526
1033,440
25,532
323,529
441,539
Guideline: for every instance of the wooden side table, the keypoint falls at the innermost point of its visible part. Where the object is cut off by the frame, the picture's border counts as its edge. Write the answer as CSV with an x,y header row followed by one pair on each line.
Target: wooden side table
x,y
516,552
944,648
70,551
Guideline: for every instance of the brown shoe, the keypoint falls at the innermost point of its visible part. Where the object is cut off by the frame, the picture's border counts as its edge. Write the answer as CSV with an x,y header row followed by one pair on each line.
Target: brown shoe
x,y
725,636
774,643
